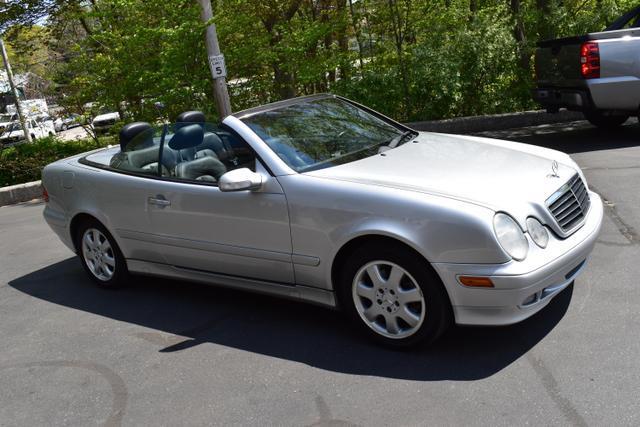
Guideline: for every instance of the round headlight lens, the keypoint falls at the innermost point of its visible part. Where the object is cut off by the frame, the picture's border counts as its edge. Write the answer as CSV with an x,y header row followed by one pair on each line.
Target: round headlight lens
x,y
538,233
510,236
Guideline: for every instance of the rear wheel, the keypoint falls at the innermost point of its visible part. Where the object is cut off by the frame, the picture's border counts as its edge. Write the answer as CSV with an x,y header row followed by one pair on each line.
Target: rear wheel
x,y
604,120
394,296
101,257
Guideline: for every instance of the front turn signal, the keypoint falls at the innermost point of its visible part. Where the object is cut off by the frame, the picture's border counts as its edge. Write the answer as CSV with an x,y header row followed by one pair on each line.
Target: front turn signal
x,y
476,282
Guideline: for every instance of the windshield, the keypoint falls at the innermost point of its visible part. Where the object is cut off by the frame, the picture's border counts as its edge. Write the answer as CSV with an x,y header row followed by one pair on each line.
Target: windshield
x,y
320,133
13,127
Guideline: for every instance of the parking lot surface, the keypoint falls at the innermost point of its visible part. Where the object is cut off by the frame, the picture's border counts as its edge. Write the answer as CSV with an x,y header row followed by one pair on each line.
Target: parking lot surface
x,y
172,353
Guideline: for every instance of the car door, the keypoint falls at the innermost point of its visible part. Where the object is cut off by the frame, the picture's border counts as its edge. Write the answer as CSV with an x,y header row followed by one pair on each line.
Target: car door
x,y
244,233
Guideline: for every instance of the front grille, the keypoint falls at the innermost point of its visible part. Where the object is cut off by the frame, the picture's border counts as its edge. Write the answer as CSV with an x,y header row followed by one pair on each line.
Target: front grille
x,y
570,204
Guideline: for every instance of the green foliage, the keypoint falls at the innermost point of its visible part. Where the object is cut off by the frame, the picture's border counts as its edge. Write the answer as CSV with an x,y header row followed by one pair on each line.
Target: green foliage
x,y
410,59
24,162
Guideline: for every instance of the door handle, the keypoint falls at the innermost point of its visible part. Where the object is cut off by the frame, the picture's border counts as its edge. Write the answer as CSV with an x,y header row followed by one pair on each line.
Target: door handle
x,y
159,201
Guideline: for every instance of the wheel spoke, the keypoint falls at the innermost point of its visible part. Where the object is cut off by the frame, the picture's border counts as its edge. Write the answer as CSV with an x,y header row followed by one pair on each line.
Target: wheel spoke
x,y
412,295
95,237
109,260
374,274
406,315
395,277
365,291
392,324
371,313
105,246
87,240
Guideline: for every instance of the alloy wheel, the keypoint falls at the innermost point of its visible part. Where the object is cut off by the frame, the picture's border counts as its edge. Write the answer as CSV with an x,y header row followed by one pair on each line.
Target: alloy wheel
x,y
98,254
388,299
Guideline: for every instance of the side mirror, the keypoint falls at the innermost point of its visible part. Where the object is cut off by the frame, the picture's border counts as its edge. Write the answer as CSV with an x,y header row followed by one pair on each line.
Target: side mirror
x,y
240,180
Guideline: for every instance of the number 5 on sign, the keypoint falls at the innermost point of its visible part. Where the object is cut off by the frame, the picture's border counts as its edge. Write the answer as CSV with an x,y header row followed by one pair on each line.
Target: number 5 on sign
x,y
218,69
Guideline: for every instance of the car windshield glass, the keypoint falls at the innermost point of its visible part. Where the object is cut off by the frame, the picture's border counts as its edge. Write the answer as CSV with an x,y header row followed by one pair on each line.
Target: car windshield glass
x,y
14,126
319,133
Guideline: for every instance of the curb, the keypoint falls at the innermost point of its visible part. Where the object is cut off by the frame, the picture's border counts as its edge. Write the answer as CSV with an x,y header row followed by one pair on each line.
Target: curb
x,y
476,124
20,193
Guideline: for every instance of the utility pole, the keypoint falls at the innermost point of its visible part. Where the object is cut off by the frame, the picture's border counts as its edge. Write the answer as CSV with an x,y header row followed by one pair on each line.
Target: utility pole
x,y
7,66
216,62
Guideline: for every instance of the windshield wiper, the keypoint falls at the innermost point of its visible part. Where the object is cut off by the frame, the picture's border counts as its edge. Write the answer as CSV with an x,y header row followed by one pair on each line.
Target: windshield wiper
x,y
398,140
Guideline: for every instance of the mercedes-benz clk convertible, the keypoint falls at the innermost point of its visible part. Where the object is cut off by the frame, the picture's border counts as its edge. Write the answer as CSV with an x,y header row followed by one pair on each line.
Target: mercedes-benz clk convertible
x,y
323,200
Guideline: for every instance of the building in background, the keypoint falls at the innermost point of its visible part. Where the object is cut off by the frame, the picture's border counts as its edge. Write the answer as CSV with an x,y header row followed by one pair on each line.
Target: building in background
x,y
30,86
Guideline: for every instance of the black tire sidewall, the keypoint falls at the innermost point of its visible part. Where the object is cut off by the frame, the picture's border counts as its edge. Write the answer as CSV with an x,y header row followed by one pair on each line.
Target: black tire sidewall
x,y
600,120
121,273
438,308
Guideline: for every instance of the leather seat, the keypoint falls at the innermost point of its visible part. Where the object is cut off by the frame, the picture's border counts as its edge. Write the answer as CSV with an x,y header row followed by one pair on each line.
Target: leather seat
x,y
136,135
205,168
139,151
212,145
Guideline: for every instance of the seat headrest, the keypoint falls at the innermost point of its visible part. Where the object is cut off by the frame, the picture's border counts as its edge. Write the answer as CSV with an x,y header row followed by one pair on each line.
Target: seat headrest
x,y
188,136
192,117
131,130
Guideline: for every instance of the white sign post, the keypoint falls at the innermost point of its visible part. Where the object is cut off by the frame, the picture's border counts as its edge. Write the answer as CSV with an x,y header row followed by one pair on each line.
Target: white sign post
x,y
218,68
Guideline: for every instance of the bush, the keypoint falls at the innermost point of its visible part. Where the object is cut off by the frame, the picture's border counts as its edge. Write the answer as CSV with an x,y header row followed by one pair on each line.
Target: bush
x,y
24,162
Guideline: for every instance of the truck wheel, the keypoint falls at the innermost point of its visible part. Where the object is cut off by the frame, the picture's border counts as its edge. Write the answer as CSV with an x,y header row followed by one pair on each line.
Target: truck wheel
x,y
602,120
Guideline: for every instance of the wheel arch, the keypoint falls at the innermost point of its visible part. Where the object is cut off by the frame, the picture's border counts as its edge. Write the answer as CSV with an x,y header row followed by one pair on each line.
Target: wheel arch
x,y
76,222
358,242
80,217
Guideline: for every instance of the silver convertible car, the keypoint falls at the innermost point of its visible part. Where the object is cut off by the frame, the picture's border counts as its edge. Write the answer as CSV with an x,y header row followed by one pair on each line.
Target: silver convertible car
x,y
323,200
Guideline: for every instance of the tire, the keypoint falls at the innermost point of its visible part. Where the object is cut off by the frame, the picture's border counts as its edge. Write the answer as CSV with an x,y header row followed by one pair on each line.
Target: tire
x,y
603,121
102,261
64,127
406,306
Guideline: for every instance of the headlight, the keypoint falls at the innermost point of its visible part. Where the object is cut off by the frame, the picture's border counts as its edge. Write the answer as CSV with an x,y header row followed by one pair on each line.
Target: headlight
x,y
538,233
510,236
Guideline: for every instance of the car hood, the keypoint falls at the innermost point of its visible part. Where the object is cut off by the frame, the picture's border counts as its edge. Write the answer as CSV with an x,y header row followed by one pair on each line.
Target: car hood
x,y
501,175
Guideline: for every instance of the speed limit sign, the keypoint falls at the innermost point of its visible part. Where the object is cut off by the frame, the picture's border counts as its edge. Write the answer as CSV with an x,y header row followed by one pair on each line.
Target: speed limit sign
x,y
218,69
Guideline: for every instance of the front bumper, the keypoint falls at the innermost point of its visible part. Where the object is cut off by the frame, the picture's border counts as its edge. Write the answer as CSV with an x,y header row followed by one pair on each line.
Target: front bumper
x,y
522,288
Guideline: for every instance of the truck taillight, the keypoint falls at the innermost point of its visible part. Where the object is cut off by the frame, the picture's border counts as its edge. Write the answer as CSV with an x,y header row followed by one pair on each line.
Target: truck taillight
x,y
590,60
45,194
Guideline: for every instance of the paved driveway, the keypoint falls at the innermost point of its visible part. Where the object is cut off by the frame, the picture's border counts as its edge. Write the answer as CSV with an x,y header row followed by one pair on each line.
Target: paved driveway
x,y
171,353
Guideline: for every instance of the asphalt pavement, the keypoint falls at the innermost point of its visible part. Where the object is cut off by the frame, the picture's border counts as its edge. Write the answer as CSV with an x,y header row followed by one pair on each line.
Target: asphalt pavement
x,y
172,353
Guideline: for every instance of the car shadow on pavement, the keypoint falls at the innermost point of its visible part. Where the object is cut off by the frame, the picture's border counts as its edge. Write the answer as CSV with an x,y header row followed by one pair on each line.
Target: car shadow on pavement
x,y
185,315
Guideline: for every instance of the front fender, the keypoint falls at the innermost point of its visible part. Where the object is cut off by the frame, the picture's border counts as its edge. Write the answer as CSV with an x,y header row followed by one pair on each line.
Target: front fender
x,y
327,214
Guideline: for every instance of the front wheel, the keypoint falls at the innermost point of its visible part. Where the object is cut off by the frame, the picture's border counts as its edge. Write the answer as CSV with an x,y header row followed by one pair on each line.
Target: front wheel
x,y
605,121
394,296
101,257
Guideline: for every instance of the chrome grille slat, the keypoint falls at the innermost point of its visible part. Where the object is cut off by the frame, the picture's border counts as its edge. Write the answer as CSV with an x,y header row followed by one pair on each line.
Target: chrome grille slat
x,y
561,201
574,205
570,201
567,220
570,204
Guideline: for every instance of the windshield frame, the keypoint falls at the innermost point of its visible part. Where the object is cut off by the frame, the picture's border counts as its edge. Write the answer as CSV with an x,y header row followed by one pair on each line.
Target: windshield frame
x,y
348,157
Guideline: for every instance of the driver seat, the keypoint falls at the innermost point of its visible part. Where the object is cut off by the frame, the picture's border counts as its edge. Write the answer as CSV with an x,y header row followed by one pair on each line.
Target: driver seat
x,y
206,168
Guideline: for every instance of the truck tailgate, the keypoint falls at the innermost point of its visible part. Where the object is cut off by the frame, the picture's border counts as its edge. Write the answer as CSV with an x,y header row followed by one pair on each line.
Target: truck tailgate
x,y
558,64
